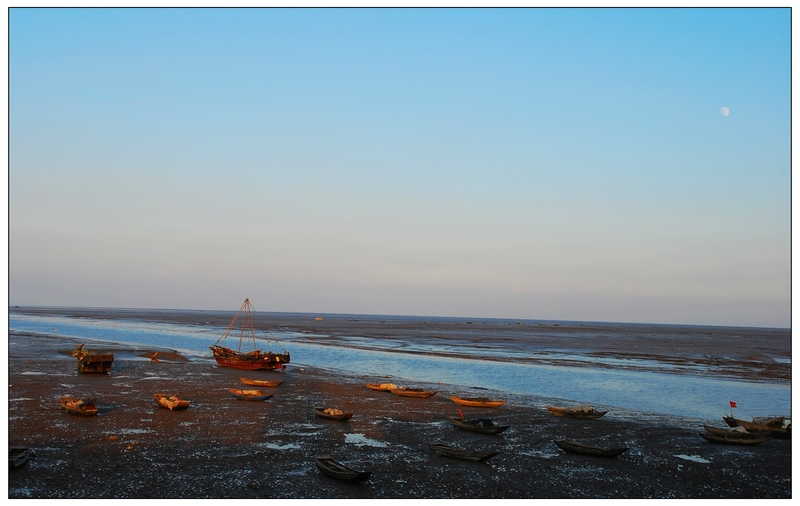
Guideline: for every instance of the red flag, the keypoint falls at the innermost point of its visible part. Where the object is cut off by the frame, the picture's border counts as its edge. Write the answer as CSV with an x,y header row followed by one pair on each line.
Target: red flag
x,y
733,404
460,414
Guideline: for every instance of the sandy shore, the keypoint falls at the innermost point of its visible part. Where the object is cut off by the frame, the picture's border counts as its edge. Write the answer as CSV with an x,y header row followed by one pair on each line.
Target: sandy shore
x,y
225,448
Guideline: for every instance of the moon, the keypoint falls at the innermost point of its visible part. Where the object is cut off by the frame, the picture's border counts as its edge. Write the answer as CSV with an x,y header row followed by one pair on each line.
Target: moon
x,y
725,111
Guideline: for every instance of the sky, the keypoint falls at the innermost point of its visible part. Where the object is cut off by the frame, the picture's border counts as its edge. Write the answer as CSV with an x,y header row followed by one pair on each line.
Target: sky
x,y
629,165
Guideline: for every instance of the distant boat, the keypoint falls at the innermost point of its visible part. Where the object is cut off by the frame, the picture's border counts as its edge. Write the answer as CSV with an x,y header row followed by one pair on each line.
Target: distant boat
x,y
333,414
252,360
739,432
457,453
248,395
260,383
412,392
78,406
573,447
586,412
482,425
340,471
171,402
90,362
477,402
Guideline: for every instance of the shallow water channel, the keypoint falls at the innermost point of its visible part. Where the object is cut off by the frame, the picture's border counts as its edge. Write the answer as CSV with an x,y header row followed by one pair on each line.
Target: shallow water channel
x,y
654,392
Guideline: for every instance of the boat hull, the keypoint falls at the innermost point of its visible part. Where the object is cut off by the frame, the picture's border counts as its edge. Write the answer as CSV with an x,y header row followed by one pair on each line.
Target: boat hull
x,y
260,383
78,407
320,412
248,395
573,447
457,453
339,471
732,433
776,428
408,392
17,457
480,426
171,402
383,387
252,361
477,402
573,413
95,363
714,438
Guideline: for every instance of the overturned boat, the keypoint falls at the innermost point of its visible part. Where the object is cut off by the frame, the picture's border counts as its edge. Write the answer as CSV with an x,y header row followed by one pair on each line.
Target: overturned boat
x,y
242,324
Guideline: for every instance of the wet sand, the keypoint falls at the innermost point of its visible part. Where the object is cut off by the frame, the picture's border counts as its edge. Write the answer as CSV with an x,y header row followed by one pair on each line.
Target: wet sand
x,y
226,448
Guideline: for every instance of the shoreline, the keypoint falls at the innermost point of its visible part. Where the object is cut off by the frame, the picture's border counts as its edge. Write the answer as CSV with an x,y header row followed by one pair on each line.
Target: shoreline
x,y
222,447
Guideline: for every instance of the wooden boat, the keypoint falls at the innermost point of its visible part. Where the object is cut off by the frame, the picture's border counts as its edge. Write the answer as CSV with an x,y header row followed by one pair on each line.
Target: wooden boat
x,y
412,392
736,432
248,395
91,362
573,447
476,402
585,412
715,438
171,402
383,387
17,457
333,414
457,453
340,471
482,425
260,383
242,324
78,407
780,426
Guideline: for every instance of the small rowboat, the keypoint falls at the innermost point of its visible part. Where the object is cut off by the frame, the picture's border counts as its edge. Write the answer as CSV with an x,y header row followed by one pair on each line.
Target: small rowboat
x,y
714,438
412,392
383,387
260,383
249,395
171,402
457,453
17,457
573,447
585,412
340,471
483,425
78,407
476,402
739,432
333,414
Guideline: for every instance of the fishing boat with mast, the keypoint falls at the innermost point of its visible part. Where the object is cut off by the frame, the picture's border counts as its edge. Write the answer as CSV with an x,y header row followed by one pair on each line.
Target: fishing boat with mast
x,y
252,360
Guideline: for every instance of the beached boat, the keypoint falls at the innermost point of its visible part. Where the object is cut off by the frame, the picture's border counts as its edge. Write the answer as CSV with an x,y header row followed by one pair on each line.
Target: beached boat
x,y
333,414
340,471
382,387
248,395
780,426
92,362
78,406
171,402
17,457
735,440
412,392
242,324
457,453
737,432
260,383
482,425
573,447
477,402
586,412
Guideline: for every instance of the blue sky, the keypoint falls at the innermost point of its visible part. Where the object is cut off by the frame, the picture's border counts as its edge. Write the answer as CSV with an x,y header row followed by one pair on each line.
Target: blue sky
x,y
570,164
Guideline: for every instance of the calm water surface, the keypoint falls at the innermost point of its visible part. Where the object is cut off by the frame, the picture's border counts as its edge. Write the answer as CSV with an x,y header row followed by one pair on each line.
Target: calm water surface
x,y
684,395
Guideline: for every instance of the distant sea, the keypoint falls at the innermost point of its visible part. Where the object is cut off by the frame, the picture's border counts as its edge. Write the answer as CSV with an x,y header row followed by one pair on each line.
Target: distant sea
x,y
687,395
